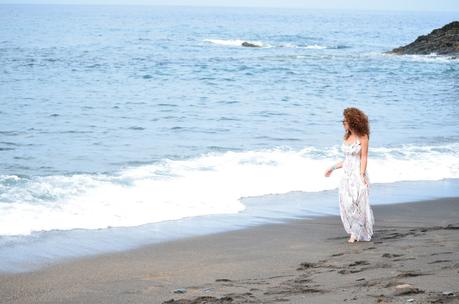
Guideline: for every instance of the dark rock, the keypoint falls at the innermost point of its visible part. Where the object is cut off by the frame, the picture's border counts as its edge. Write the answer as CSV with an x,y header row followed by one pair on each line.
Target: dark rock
x,y
442,41
248,44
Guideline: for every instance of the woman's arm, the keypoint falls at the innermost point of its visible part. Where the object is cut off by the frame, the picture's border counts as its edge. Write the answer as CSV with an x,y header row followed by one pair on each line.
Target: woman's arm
x,y
339,165
363,155
335,166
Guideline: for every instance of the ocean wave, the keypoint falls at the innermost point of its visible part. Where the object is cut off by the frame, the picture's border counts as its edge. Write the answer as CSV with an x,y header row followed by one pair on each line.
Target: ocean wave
x,y
240,43
236,42
212,183
314,46
425,58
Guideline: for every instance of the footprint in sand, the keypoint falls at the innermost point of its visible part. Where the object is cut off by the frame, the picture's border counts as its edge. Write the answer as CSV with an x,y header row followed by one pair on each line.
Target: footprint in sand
x,y
391,255
408,274
359,263
440,261
445,252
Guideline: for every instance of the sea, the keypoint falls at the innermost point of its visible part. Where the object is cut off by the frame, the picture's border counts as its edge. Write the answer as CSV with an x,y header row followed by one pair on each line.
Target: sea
x,y
123,126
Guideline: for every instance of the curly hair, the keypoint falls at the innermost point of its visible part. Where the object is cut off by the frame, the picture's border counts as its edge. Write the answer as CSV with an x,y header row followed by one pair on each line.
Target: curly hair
x,y
357,121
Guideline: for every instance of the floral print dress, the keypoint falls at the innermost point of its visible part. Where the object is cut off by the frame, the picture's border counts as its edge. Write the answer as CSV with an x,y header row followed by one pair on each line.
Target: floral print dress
x,y
355,209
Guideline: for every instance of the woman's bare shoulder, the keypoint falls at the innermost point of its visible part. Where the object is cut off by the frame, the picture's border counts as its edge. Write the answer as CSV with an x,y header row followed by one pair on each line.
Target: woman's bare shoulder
x,y
363,138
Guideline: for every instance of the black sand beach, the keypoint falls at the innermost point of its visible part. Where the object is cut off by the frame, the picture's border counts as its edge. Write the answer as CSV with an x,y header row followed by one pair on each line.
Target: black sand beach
x,y
413,257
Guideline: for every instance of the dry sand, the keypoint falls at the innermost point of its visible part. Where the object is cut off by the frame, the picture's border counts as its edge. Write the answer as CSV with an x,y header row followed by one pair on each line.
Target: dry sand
x,y
301,261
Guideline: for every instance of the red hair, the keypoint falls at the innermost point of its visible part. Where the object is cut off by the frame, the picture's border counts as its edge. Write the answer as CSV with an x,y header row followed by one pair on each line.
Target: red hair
x,y
357,121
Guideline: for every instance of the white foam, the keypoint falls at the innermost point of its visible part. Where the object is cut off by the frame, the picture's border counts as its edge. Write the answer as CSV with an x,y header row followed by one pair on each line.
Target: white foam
x,y
315,46
238,43
209,184
433,57
311,46
235,42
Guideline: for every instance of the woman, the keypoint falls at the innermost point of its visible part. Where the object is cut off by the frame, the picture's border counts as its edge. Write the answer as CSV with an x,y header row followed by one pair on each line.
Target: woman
x,y
355,209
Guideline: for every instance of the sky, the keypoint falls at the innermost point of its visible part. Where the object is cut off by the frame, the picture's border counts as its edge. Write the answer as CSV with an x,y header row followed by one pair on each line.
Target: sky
x,y
402,5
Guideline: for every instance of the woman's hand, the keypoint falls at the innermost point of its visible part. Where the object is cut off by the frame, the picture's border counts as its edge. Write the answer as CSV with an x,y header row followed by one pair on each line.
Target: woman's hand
x,y
364,180
328,172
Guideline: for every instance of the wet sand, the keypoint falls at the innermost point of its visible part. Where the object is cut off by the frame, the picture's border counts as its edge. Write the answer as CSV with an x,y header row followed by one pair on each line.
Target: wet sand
x,y
412,258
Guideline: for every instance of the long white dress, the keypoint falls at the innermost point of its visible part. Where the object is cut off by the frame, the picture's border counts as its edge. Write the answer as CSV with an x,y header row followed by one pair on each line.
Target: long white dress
x,y
355,210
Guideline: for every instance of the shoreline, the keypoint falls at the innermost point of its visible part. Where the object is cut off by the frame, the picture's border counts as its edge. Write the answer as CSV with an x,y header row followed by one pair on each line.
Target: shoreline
x,y
29,253
302,259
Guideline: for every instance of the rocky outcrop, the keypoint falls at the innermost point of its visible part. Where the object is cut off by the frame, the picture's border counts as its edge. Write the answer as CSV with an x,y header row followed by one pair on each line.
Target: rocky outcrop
x,y
442,41
249,44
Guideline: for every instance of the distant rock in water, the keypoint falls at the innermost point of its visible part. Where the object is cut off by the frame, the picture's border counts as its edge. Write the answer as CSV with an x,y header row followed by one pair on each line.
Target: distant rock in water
x,y
443,41
248,44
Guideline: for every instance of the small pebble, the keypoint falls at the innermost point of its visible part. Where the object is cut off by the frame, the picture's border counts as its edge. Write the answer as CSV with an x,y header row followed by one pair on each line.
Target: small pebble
x,y
180,290
403,289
